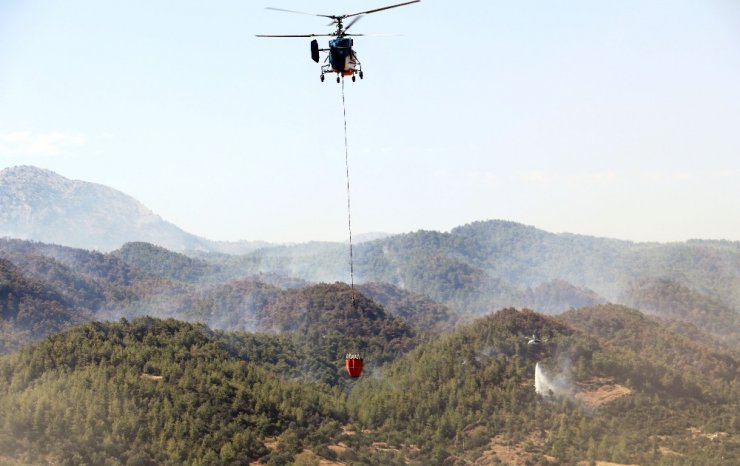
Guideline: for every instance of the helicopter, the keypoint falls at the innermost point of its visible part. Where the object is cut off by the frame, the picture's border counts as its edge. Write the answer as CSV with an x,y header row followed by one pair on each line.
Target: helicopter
x,y
341,57
534,340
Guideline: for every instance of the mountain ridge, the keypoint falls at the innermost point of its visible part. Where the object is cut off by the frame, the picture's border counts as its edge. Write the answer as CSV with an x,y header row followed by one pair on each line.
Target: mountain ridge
x,y
472,269
41,205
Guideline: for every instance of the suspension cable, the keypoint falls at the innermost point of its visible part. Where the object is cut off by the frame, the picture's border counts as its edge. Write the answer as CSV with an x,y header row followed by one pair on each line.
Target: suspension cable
x,y
349,211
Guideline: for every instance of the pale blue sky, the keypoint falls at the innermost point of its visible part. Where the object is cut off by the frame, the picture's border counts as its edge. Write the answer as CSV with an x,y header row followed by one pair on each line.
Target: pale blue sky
x,y
602,117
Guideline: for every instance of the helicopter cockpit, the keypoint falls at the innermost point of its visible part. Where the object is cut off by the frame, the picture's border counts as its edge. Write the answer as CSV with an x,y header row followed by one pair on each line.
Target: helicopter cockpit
x,y
342,42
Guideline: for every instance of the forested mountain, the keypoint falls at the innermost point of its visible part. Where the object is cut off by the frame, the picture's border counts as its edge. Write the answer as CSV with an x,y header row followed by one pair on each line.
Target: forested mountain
x,y
440,386
91,264
622,378
671,300
637,336
421,312
472,269
142,279
155,391
484,265
556,295
164,263
29,309
419,272
316,312
41,205
627,407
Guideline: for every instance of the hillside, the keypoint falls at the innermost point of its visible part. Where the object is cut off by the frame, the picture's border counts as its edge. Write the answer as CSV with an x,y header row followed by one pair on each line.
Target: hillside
x,y
480,404
472,269
142,279
30,309
557,295
635,335
419,311
92,264
84,284
164,263
156,391
40,205
671,300
152,392
481,266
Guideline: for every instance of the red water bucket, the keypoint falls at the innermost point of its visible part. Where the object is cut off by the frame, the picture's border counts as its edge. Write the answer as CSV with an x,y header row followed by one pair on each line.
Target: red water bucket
x,y
353,364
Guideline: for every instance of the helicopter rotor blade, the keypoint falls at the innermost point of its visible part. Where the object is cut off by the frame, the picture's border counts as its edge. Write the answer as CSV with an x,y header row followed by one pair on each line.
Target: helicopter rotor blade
x,y
373,35
299,12
353,22
294,35
380,9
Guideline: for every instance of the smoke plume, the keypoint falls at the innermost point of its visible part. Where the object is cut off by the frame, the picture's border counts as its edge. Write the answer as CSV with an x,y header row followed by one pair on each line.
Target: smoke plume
x,y
556,385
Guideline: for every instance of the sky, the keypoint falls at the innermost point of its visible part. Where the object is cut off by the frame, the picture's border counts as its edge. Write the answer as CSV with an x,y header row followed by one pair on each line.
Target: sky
x,y
615,119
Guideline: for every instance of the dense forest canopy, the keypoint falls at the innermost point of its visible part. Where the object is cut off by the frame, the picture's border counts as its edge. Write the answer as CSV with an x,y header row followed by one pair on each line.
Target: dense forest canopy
x,y
153,391
147,356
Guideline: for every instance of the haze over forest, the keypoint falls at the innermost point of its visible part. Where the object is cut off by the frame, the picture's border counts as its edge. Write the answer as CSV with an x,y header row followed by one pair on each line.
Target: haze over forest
x,y
231,353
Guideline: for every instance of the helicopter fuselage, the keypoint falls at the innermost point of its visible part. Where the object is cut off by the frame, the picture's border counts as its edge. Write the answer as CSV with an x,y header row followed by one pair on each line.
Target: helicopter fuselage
x,y
342,59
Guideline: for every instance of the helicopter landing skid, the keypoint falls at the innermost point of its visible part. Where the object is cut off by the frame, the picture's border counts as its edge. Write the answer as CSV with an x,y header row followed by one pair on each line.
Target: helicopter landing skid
x,y
328,69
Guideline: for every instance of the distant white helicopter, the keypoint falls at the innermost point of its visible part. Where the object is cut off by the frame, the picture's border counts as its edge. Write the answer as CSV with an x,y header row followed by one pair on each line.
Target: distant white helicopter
x,y
534,340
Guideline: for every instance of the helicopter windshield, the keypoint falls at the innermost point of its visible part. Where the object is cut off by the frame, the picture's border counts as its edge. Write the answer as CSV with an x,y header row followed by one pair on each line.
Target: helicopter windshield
x,y
343,42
